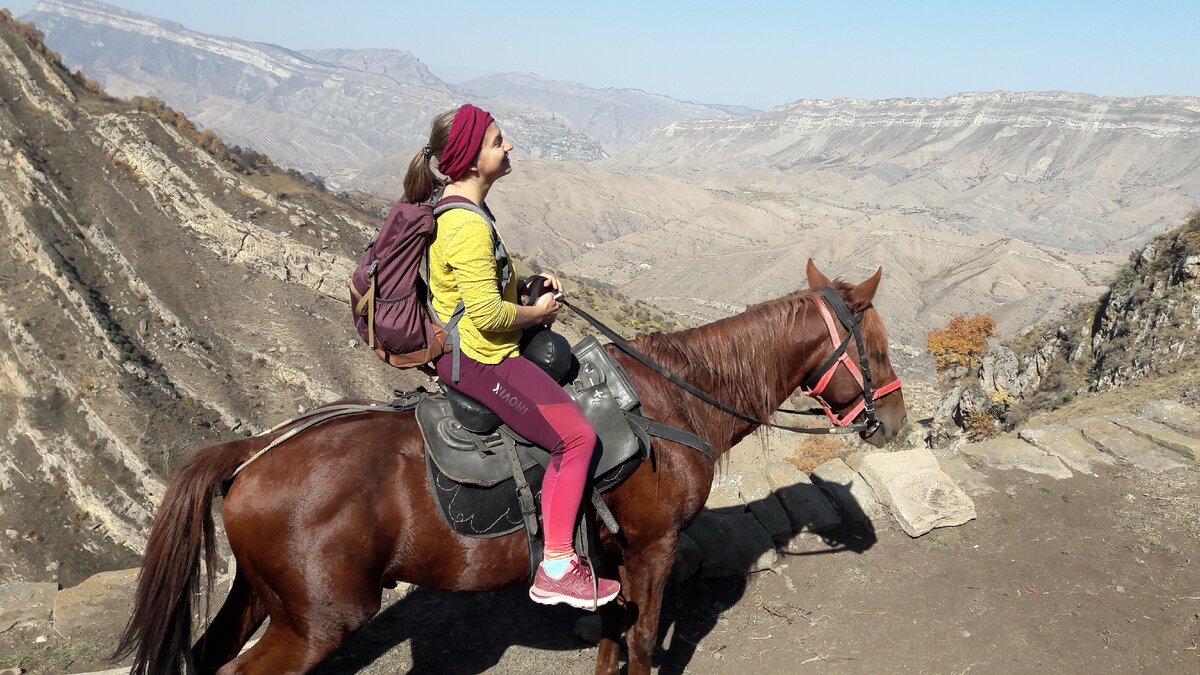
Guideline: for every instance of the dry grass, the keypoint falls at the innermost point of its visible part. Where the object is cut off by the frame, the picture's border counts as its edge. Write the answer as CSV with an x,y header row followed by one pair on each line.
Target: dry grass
x,y
813,451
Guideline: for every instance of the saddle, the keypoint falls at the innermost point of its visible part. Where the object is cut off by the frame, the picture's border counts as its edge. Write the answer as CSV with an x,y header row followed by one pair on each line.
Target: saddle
x,y
479,467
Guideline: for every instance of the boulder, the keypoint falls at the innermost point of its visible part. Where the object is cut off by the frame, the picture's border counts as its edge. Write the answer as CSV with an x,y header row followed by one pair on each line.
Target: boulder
x,y
1124,444
1161,434
920,495
1067,444
99,606
731,544
806,506
1008,453
973,399
25,601
849,491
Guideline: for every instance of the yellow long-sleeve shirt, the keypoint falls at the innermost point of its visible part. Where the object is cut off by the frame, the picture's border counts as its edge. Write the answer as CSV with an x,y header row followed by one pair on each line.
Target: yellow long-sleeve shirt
x,y
462,266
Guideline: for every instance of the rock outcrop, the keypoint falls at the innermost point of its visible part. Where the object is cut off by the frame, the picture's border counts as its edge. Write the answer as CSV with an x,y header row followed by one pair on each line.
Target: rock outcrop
x,y
1146,325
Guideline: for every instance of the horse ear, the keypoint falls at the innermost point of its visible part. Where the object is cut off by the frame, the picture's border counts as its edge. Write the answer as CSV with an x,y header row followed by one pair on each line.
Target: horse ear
x,y
863,293
816,280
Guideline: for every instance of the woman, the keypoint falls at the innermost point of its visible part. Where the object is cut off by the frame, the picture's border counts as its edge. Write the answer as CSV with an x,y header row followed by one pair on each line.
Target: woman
x,y
472,153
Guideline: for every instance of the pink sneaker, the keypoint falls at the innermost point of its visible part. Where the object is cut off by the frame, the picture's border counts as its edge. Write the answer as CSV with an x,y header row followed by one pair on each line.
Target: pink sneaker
x,y
574,588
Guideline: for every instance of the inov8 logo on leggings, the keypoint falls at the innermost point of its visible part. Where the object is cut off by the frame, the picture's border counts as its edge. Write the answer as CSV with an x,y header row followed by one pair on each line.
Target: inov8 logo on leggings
x,y
510,398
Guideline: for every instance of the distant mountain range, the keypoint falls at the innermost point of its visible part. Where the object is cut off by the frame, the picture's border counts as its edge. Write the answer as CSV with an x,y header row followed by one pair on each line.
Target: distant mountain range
x,y
335,111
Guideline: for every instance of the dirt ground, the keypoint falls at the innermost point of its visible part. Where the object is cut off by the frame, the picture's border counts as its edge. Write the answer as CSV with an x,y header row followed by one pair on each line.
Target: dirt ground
x,y
1089,574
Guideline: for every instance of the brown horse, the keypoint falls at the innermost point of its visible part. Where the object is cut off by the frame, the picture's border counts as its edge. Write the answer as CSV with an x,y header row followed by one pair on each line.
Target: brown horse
x,y
322,523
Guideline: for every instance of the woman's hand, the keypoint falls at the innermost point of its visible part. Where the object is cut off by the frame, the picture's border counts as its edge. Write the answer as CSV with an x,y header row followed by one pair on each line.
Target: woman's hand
x,y
552,281
547,306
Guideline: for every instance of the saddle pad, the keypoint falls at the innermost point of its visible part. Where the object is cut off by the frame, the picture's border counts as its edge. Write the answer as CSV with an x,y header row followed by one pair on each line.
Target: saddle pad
x,y
478,511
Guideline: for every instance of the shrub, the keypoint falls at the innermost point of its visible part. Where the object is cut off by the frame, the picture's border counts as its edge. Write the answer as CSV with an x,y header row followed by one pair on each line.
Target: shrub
x,y
963,341
981,425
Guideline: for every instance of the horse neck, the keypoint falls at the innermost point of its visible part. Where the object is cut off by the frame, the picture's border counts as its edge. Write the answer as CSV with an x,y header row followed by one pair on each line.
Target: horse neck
x,y
751,362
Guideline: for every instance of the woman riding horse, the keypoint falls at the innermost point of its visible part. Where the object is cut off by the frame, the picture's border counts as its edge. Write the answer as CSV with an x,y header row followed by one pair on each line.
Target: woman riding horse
x,y
323,522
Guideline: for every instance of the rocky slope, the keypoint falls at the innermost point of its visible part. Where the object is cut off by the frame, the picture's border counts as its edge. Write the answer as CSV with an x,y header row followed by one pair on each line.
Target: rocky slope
x,y
1145,329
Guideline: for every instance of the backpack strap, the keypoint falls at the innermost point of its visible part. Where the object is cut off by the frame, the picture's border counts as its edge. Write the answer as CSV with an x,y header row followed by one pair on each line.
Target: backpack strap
x,y
498,251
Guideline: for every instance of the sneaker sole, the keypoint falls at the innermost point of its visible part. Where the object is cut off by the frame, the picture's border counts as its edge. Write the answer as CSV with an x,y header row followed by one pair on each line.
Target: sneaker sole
x,y
577,603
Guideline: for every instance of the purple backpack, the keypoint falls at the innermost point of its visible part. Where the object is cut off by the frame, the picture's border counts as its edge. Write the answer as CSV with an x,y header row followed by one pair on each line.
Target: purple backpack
x,y
390,299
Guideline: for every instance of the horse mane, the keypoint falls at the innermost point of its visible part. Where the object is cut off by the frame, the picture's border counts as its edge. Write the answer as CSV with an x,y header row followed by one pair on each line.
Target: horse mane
x,y
738,359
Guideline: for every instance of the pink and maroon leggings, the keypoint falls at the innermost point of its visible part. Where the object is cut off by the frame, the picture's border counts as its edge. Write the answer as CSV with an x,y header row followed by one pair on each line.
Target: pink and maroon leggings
x,y
534,406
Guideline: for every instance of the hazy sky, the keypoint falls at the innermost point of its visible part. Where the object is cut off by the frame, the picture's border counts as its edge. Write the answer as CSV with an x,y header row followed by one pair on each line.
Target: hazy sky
x,y
764,54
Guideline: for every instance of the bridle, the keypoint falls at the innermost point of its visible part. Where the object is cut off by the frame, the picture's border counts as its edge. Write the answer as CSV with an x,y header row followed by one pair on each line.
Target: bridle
x,y
814,386
861,373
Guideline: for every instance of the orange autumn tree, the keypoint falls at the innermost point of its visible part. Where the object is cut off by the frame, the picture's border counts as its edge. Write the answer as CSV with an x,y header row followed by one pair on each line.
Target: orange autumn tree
x,y
963,341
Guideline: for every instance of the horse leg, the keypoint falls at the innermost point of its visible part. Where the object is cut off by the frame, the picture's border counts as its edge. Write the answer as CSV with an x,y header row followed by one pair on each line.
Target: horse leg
x,y
646,572
315,602
293,647
240,615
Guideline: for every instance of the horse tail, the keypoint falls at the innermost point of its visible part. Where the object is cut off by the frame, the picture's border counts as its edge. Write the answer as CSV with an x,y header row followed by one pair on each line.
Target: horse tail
x,y
159,631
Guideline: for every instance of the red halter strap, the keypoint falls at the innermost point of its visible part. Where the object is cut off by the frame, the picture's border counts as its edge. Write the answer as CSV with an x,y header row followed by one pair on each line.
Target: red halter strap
x,y
851,366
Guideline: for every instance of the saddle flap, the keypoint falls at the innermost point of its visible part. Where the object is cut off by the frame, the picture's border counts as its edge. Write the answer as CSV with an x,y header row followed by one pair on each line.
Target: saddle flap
x,y
616,441
597,367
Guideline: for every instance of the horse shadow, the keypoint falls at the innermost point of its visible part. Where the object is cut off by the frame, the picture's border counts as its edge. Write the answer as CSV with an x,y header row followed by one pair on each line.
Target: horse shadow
x,y
468,633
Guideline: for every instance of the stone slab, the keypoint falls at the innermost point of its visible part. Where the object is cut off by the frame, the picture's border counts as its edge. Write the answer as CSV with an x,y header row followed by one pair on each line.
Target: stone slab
x,y
1067,444
1174,414
849,490
1124,444
920,495
99,606
1161,434
807,507
25,601
965,476
1009,453
724,495
731,544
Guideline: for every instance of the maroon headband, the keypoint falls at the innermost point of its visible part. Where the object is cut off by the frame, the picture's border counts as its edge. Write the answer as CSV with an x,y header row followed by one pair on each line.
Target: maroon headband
x,y
466,137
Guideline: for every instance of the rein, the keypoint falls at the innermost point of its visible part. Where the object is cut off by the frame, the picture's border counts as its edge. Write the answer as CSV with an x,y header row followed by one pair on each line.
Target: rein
x,y
841,426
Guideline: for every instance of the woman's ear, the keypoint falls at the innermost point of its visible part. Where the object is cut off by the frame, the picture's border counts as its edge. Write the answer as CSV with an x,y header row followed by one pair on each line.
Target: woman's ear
x,y
862,295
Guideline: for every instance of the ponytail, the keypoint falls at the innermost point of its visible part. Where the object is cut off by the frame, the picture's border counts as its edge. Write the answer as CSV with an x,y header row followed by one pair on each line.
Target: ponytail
x,y
420,181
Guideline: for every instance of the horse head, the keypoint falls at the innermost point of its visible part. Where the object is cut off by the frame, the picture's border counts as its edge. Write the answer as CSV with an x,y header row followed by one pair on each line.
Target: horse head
x,y
840,386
